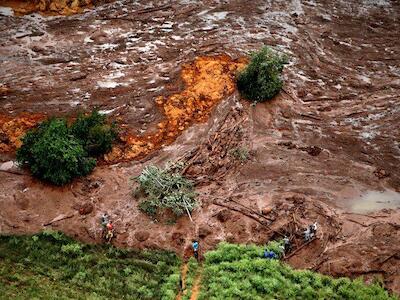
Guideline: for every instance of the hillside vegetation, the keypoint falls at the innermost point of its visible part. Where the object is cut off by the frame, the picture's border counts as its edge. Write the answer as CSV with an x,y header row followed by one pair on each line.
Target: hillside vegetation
x,y
240,272
53,266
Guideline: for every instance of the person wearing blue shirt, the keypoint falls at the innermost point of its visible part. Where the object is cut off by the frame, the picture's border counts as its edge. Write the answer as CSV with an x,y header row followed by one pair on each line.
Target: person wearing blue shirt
x,y
196,249
270,254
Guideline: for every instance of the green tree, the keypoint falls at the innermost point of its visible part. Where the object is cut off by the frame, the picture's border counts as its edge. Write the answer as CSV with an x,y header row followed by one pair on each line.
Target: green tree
x,y
53,154
261,79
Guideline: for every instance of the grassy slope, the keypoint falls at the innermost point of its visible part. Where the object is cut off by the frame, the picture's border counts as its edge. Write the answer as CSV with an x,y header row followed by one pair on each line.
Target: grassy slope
x,y
239,272
52,266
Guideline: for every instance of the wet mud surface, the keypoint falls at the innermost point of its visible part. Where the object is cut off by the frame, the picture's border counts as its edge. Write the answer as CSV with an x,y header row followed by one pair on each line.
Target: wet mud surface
x,y
331,135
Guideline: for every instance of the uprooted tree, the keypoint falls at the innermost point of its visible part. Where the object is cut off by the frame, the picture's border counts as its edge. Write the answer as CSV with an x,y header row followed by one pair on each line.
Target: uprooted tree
x,y
166,189
261,80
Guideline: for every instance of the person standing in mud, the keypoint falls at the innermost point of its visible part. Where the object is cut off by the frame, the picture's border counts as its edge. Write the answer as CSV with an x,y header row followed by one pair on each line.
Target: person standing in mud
x,y
108,228
195,246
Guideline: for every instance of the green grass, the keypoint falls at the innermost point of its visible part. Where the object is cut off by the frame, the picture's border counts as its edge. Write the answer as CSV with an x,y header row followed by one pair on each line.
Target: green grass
x,y
240,272
53,266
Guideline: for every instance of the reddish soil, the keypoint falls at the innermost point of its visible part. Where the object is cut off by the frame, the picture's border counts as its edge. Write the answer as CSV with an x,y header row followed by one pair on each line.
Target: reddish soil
x,y
49,7
332,134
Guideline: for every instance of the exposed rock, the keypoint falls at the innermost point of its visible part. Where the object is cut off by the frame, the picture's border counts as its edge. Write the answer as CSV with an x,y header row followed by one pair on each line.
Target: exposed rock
x,y
266,210
11,167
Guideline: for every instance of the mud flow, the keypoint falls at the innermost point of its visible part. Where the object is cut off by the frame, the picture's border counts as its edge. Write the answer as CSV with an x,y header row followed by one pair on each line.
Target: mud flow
x,y
326,149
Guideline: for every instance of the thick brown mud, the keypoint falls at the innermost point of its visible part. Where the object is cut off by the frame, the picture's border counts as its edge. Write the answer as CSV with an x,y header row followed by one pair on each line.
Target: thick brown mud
x,y
331,136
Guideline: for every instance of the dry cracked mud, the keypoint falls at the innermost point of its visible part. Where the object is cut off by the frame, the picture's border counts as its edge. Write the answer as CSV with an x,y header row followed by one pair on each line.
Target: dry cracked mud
x,y
326,149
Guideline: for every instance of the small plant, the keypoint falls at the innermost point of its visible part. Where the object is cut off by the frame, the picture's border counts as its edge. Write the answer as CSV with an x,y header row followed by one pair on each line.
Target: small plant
x,y
241,154
58,153
166,189
73,249
261,79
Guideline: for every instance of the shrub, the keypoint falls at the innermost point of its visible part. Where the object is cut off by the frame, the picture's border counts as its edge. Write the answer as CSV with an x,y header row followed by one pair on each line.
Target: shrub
x,y
93,133
261,79
240,154
166,189
53,154
57,153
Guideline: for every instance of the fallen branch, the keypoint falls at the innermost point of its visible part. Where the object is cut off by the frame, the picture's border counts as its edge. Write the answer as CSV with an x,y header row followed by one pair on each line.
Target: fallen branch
x,y
387,258
359,223
301,247
240,211
364,215
317,266
59,218
251,210
249,216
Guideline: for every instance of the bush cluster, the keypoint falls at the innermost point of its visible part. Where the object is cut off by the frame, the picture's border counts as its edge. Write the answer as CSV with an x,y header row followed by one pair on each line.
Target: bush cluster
x,y
52,266
165,189
241,272
261,79
57,153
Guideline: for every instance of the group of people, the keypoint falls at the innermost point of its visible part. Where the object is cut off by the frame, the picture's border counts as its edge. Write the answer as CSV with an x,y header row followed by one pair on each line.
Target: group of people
x,y
309,234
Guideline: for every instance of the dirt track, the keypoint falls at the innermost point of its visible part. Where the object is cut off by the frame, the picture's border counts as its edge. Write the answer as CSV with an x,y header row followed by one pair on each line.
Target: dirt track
x,y
332,134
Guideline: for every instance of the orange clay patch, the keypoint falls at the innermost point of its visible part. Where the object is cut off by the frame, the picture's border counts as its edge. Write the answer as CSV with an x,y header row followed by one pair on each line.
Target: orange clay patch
x,y
12,129
46,7
207,81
